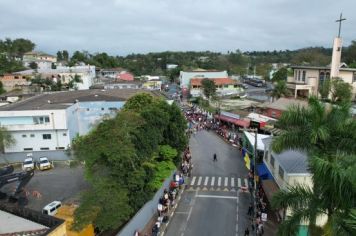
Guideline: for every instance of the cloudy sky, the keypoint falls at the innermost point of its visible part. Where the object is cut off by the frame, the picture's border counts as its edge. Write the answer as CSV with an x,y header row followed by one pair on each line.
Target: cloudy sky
x,y
120,27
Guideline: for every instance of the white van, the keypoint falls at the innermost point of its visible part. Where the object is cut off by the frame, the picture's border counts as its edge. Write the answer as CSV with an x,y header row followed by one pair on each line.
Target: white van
x,y
51,209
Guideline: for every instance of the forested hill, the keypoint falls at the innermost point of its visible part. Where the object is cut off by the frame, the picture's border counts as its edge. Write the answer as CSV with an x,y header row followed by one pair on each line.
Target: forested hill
x,y
236,62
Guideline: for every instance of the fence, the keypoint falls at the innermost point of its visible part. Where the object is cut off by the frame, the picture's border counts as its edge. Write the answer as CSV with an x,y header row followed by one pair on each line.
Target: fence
x,y
144,215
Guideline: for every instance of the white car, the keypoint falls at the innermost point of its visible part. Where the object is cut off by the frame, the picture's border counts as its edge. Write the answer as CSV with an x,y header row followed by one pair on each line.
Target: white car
x,y
44,164
28,164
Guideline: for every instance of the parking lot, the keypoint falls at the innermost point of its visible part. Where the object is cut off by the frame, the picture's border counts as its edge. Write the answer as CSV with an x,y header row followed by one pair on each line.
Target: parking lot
x,y
61,183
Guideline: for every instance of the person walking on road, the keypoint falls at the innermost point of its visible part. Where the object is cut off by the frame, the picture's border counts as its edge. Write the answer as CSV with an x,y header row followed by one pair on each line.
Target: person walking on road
x,y
247,232
215,157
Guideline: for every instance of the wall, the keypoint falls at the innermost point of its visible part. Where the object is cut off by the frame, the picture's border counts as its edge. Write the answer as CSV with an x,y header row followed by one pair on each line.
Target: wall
x,y
144,215
59,231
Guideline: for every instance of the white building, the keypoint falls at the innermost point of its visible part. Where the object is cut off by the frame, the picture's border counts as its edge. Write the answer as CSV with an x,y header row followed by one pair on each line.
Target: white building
x,y
51,121
65,74
43,60
186,76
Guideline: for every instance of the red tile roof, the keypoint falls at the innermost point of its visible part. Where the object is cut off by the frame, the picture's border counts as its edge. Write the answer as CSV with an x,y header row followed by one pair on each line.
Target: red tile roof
x,y
217,81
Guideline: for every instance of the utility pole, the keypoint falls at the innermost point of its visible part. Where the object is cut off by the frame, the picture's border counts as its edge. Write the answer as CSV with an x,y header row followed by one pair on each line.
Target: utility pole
x,y
254,180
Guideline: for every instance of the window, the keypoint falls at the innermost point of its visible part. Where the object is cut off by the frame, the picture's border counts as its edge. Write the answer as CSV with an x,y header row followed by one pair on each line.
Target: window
x,y
46,119
226,86
32,135
47,136
112,108
24,135
40,119
298,75
44,148
64,134
266,156
102,108
272,161
354,77
304,75
28,149
281,172
60,148
321,77
235,86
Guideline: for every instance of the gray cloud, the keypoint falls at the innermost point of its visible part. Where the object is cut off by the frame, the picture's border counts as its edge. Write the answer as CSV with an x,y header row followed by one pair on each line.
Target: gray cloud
x,y
120,27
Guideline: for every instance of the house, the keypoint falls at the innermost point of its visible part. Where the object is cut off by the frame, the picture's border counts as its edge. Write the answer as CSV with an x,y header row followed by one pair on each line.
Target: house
x,y
51,121
43,60
224,86
12,81
125,76
65,75
288,169
276,108
307,79
186,76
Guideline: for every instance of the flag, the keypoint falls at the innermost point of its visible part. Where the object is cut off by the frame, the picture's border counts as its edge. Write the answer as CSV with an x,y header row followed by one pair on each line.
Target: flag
x,y
247,161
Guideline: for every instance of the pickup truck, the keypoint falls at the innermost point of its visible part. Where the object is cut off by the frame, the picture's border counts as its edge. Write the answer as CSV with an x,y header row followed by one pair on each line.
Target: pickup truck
x,y
44,164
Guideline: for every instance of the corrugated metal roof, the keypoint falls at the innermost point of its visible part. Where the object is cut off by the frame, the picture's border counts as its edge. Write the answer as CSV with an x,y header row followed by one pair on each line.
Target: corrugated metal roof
x,y
292,161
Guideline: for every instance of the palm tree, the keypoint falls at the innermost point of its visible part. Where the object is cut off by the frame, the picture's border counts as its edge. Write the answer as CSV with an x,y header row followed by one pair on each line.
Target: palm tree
x,y
280,90
328,135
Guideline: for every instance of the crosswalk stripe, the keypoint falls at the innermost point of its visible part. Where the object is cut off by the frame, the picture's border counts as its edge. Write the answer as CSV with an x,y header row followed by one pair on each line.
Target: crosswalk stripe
x,y
239,182
219,181
232,182
206,181
212,181
246,183
193,180
199,180
226,180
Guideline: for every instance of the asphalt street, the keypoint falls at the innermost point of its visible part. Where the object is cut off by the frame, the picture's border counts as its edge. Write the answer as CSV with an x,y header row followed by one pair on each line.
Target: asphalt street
x,y
212,203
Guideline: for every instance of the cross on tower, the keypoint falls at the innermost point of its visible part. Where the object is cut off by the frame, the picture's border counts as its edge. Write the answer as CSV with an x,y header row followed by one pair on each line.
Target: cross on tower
x,y
340,20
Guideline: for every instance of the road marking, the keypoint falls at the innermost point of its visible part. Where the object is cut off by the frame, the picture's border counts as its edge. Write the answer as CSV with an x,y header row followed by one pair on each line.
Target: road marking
x,y
199,180
219,181
246,183
206,181
226,181
212,181
189,214
215,196
239,182
193,181
181,212
232,182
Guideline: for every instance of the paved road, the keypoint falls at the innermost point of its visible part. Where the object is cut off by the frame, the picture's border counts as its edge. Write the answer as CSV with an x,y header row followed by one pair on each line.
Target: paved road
x,y
211,204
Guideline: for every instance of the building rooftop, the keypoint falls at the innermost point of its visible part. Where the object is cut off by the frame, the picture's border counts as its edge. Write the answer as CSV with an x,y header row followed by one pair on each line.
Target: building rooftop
x,y
62,100
321,68
292,161
251,138
77,69
10,223
284,103
217,81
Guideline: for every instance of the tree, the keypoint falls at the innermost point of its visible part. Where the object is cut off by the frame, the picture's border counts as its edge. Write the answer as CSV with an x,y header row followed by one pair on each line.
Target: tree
x,y
280,90
324,88
281,74
6,139
59,56
33,65
328,135
2,90
74,81
65,55
209,88
21,46
340,91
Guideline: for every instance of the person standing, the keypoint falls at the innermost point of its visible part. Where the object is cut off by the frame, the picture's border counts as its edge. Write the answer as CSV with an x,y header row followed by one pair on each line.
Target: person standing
x,y
247,232
215,157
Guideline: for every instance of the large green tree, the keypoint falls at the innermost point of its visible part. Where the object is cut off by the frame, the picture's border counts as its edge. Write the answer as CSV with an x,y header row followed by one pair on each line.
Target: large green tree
x,y
340,91
209,88
127,158
281,74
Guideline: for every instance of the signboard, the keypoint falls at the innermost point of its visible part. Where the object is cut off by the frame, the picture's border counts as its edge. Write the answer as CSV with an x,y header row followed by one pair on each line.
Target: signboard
x,y
264,217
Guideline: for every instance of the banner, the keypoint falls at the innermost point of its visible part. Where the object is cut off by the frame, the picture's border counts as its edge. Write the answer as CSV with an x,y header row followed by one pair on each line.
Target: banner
x,y
247,161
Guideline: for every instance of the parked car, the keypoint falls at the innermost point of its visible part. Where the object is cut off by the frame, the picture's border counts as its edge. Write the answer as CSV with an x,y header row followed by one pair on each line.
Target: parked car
x,y
44,164
245,86
28,164
52,208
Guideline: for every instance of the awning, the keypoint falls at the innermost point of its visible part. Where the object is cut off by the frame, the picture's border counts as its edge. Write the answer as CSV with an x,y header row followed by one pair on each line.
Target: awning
x,y
270,187
238,122
263,172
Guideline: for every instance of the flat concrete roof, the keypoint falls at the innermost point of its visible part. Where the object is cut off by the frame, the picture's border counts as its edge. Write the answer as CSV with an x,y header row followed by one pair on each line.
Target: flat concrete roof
x,y
10,223
64,99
